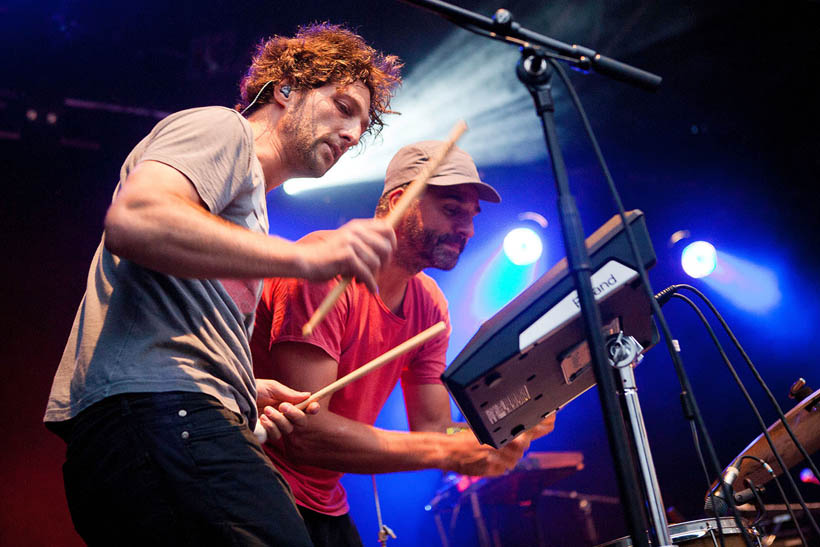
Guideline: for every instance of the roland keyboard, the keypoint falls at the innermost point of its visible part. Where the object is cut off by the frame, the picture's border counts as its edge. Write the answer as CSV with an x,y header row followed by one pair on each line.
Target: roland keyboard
x,y
531,358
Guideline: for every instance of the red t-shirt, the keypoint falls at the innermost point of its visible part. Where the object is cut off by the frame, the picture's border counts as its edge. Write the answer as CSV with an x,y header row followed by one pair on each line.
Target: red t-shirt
x,y
358,329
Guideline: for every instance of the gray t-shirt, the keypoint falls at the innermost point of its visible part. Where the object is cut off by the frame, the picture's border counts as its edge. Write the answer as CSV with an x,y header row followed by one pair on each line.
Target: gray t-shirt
x,y
138,330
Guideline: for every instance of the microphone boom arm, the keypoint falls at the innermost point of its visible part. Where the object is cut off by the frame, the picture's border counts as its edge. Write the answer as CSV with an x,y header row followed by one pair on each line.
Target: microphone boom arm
x,y
503,27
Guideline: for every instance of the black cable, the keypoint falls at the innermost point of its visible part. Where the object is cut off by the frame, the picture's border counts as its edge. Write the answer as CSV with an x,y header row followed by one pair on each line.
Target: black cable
x,y
708,477
686,386
757,376
737,379
786,503
776,454
730,500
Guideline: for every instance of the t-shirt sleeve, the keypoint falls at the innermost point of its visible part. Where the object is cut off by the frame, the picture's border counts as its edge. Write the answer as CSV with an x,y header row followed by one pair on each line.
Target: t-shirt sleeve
x,y
293,301
430,360
212,147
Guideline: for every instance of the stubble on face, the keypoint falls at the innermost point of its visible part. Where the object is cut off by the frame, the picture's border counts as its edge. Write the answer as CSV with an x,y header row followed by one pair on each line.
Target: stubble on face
x,y
420,248
298,128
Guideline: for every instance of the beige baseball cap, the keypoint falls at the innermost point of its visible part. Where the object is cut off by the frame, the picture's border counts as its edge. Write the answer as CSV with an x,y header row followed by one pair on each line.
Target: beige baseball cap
x,y
456,168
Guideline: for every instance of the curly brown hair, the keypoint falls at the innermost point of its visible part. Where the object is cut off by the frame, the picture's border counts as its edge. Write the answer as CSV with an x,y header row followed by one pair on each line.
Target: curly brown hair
x,y
320,54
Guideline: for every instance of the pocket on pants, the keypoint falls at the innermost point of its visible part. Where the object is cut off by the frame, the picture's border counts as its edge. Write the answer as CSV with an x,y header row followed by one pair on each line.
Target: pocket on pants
x,y
218,440
113,492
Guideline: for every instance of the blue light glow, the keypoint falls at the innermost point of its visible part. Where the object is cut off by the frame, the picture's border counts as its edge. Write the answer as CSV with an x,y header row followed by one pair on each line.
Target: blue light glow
x,y
747,285
699,259
495,283
522,246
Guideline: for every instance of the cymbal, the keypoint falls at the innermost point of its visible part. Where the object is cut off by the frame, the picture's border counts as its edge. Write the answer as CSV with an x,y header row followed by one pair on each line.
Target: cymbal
x,y
804,419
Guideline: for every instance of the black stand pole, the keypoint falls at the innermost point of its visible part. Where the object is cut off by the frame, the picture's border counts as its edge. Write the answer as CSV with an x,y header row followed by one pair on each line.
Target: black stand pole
x,y
534,71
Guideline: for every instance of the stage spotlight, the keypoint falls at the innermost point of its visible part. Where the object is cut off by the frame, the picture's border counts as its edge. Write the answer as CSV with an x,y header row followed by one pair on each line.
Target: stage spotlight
x,y
750,285
699,259
522,246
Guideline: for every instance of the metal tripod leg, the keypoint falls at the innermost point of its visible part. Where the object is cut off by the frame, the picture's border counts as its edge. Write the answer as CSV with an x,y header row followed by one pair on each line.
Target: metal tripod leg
x,y
624,353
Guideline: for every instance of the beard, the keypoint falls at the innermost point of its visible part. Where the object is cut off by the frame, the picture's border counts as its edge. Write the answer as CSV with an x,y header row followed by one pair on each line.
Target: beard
x,y
302,145
422,248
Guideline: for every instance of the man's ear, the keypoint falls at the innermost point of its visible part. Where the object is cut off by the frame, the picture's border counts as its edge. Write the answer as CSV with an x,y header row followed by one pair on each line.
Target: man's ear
x,y
282,92
394,197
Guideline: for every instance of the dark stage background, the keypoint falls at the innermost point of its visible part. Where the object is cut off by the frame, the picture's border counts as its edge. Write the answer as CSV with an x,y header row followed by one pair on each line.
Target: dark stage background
x,y
727,149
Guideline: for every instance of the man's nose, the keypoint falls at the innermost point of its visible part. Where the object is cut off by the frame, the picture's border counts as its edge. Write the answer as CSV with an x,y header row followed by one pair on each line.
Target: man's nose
x,y
466,228
350,135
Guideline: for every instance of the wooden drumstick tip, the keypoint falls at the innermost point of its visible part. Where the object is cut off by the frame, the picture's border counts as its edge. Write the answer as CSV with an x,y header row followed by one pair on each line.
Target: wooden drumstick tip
x,y
458,130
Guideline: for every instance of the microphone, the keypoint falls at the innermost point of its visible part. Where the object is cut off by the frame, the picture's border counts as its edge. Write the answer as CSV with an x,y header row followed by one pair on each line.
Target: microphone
x,y
745,496
715,505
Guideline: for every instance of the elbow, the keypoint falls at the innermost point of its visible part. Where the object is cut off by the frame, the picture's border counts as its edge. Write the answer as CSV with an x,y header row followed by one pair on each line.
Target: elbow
x,y
117,235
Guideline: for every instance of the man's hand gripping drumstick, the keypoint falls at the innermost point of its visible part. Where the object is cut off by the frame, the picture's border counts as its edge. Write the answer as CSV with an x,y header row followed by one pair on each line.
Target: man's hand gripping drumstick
x,y
414,190
383,359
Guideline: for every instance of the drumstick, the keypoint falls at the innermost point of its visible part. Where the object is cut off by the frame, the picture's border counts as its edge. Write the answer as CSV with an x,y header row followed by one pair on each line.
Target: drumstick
x,y
382,359
413,191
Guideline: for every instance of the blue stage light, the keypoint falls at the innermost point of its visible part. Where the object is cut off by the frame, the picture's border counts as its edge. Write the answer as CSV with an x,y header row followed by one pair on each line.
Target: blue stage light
x,y
522,246
699,259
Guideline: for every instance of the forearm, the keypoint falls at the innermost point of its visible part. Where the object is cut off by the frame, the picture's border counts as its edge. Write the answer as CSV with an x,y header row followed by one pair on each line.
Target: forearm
x,y
333,442
179,238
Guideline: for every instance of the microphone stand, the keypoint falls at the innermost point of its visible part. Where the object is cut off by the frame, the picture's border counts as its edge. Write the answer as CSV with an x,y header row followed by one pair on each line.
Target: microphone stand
x,y
535,73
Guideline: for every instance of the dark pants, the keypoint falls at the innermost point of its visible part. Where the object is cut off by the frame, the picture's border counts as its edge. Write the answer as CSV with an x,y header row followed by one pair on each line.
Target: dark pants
x,y
174,469
329,531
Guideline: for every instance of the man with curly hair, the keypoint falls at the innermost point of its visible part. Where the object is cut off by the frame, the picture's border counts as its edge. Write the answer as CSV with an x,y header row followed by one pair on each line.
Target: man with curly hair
x,y
155,394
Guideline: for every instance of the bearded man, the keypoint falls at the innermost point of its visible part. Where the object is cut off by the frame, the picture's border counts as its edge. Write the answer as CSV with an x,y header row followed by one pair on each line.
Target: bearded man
x,y
361,326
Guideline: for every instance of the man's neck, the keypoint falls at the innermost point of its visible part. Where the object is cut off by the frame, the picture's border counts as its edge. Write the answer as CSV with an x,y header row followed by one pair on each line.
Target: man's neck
x,y
392,281
267,146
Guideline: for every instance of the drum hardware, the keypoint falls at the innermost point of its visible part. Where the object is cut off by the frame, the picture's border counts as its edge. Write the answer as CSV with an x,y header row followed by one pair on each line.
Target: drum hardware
x,y
701,533
800,390
777,527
